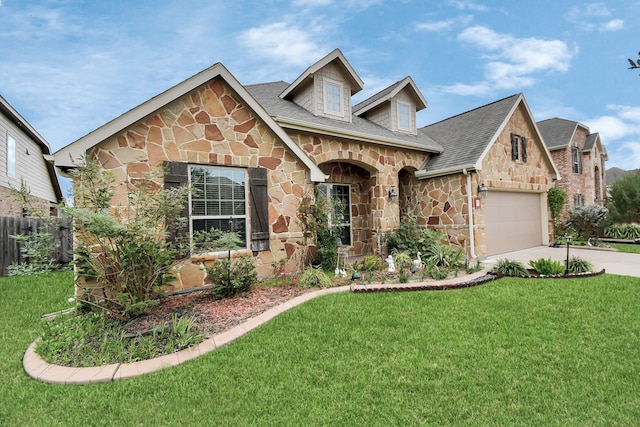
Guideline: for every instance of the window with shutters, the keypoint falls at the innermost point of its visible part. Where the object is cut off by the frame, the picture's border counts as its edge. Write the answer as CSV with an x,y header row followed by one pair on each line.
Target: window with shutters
x,y
576,158
218,200
518,148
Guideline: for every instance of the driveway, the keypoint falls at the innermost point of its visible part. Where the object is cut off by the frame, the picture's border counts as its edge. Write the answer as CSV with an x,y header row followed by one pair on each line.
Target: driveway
x,y
612,261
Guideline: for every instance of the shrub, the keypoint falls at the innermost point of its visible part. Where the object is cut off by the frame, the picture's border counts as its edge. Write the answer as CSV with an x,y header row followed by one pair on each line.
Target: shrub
x,y
230,278
557,198
588,221
627,231
508,267
314,277
579,265
125,251
547,267
441,254
438,273
372,263
402,260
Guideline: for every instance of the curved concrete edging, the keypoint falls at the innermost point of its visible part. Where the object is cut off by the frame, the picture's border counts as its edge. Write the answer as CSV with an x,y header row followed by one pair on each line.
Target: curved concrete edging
x,y
46,372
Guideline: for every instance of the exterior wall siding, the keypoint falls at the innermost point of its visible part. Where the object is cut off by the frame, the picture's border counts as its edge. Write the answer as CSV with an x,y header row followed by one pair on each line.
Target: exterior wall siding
x,y
31,170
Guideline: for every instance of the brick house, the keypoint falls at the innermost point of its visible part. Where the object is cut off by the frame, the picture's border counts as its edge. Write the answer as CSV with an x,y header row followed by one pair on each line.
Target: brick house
x,y
580,158
22,162
256,150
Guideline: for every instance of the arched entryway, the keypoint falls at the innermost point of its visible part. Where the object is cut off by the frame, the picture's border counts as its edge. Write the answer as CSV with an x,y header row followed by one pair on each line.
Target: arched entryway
x,y
352,184
599,200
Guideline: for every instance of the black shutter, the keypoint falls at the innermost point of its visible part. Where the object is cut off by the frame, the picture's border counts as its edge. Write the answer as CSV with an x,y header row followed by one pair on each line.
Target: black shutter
x,y
259,209
524,149
514,147
177,175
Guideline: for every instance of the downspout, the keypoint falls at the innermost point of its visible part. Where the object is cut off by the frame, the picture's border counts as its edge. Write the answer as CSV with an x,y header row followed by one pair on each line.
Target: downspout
x,y
472,242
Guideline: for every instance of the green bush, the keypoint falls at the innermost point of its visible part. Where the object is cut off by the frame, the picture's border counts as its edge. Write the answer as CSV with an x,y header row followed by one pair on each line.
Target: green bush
x,y
438,273
547,266
579,265
401,260
314,277
441,254
627,231
508,267
231,278
372,263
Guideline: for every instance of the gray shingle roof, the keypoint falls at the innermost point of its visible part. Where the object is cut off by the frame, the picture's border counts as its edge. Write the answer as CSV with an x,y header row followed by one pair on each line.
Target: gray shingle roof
x,y
556,132
466,136
267,94
590,142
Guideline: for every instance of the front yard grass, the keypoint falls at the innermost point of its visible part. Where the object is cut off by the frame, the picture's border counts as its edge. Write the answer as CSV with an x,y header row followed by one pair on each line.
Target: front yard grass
x,y
631,248
513,351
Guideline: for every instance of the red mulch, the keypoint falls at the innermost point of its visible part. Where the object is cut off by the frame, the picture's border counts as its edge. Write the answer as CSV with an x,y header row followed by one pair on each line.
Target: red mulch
x,y
214,316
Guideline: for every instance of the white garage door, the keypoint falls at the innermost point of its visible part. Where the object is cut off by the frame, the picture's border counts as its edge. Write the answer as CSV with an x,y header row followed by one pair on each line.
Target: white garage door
x,y
513,221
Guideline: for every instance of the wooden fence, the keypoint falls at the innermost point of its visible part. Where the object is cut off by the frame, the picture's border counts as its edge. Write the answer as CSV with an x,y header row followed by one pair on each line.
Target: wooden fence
x,y
60,229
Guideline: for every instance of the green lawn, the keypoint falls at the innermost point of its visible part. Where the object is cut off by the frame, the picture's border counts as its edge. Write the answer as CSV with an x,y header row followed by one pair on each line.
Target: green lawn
x,y
510,352
626,247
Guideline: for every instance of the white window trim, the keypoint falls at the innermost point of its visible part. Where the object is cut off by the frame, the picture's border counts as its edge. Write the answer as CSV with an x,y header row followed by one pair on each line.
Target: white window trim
x,y
328,194
326,82
247,243
398,109
12,163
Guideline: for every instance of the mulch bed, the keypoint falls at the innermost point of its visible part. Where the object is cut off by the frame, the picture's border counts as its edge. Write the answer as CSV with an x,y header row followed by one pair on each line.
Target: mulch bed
x,y
212,316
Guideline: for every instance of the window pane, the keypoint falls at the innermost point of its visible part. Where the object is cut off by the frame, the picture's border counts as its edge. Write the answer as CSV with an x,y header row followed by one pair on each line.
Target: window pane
x,y
333,98
11,156
218,194
403,116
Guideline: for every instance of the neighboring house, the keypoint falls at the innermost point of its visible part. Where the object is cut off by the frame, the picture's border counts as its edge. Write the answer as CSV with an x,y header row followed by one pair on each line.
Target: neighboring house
x,y
257,150
23,165
580,158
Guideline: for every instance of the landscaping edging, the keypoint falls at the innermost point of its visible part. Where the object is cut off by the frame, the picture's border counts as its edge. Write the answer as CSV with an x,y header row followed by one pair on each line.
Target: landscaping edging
x,y
41,370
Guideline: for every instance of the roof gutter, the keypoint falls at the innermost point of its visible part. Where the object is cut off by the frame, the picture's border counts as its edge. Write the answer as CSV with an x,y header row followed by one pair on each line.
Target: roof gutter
x,y
423,174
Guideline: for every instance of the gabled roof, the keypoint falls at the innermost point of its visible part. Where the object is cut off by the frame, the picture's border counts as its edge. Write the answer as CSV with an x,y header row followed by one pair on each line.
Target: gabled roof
x,y
355,82
69,156
558,133
468,137
7,110
292,116
387,94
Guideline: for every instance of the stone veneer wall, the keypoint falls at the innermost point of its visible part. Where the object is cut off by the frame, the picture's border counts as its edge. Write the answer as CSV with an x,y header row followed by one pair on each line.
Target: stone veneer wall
x,y
500,172
383,165
211,126
443,200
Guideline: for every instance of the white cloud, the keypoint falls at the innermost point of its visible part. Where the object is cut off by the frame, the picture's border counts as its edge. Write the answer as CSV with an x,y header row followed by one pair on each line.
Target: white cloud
x,y
594,16
613,25
468,5
281,42
512,62
620,132
444,25
312,3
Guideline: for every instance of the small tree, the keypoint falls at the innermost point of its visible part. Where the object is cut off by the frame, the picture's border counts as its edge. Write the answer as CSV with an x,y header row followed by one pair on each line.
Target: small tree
x,y
124,250
557,198
624,200
588,221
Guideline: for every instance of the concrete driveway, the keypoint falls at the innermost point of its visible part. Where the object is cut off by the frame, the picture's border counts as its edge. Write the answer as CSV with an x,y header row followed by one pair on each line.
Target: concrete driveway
x,y
612,261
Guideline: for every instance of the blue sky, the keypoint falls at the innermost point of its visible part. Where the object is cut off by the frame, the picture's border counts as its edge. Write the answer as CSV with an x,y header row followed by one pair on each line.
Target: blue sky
x,y
69,66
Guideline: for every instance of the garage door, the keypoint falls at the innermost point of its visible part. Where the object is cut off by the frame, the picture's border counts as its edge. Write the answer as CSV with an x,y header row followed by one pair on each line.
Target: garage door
x,y
513,221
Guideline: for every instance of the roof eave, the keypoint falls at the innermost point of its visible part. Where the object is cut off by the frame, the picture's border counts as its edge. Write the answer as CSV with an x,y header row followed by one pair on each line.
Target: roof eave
x,y
423,174
301,125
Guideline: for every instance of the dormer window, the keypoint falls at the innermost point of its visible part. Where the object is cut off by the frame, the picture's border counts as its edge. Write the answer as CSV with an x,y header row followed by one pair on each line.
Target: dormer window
x,y
404,117
332,97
